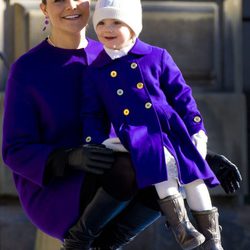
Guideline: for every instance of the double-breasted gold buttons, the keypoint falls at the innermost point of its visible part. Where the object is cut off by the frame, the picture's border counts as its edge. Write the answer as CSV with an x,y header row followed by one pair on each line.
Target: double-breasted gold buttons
x,y
113,73
126,112
139,85
197,119
133,65
148,105
88,139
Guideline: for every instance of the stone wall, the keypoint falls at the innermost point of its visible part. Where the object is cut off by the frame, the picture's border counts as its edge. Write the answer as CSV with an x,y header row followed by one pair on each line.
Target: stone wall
x,y
246,62
3,70
246,47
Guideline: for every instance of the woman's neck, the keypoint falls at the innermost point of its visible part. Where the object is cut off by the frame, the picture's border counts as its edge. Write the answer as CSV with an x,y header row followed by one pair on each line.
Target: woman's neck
x,y
68,41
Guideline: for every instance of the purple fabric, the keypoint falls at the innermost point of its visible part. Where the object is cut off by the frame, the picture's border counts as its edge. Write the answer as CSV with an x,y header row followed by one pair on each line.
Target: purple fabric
x,y
171,120
42,113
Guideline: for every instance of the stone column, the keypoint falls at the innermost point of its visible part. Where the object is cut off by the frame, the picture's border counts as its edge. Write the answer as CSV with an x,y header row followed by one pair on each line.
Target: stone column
x,y
3,70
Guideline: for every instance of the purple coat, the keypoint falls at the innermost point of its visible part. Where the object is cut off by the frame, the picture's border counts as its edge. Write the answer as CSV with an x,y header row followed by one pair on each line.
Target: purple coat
x,y
150,106
42,113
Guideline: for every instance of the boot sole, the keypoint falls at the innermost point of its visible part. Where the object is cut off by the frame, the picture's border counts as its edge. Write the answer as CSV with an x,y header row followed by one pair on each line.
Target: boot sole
x,y
194,243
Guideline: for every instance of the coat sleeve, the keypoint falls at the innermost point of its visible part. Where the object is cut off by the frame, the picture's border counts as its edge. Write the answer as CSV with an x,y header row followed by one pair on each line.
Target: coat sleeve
x,y
179,94
22,149
95,123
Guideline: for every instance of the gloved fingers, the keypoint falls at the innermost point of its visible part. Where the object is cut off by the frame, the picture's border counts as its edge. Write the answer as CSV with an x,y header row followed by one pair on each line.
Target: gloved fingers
x,y
230,184
223,175
105,156
226,187
99,154
95,145
101,151
99,165
225,181
235,184
109,159
237,175
230,188
226,162
94,149
233,168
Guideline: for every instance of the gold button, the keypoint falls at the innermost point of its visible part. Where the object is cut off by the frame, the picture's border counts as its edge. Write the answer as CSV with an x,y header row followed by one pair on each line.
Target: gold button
x,y
139,85
133,65
113,73
126,112
119,92
148,105
88,139
197,119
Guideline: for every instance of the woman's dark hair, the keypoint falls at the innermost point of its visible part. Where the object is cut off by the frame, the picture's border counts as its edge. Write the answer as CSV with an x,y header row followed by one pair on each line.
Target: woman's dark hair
x,y
44,1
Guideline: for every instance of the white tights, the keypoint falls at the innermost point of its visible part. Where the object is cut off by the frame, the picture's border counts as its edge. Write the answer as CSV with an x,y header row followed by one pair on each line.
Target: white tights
x,y
197,194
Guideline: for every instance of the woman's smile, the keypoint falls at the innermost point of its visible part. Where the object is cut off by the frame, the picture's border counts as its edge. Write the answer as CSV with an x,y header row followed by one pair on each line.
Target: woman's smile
x,y
72,17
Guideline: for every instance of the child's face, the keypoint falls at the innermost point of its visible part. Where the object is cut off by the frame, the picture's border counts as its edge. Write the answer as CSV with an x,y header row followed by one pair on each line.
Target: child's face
x,y
113,33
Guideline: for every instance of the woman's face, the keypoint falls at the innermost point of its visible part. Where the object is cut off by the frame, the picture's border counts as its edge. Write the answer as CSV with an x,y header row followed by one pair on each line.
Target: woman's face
x,y
67,15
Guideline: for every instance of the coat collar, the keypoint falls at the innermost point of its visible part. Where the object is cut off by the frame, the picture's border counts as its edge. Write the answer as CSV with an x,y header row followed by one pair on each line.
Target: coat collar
x,y
140,48
92,50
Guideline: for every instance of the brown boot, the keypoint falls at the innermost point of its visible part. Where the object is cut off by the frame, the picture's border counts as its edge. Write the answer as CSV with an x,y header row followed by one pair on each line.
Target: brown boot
x,y
208,224
186,235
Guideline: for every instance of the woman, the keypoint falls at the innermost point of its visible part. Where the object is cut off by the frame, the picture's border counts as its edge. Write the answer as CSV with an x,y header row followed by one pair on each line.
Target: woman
x,y
42,132
54,176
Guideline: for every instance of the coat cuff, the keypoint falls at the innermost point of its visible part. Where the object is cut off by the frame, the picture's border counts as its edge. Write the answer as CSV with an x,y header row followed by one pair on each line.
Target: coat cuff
x,y
56,165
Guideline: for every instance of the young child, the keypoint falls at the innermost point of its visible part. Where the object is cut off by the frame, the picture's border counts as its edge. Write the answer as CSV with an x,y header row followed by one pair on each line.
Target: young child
x,y
138,89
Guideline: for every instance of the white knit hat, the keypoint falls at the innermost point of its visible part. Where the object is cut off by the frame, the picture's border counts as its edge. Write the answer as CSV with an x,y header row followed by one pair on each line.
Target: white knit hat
x,y
127,11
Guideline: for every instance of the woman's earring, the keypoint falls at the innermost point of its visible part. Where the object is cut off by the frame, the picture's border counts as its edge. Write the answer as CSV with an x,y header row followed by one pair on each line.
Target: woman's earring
x,y
46,22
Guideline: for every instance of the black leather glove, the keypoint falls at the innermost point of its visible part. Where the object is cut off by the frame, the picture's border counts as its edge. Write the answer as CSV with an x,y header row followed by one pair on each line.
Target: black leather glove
x,y
91,158
227,173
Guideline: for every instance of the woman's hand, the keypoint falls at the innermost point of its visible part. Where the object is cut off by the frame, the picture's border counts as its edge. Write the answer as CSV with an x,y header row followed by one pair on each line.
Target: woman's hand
x,y
95,159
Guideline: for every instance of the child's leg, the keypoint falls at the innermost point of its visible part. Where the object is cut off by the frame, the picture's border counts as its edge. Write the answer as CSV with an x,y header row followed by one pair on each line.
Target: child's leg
x,y
167,188
206,216
173,207
197,195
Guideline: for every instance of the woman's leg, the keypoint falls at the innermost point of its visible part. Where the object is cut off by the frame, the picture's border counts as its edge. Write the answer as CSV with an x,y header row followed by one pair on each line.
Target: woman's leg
x,y
142,211
118,188
97,214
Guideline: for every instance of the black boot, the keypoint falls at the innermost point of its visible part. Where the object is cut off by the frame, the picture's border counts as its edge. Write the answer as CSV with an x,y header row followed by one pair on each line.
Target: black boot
x,y
126,226
97,214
